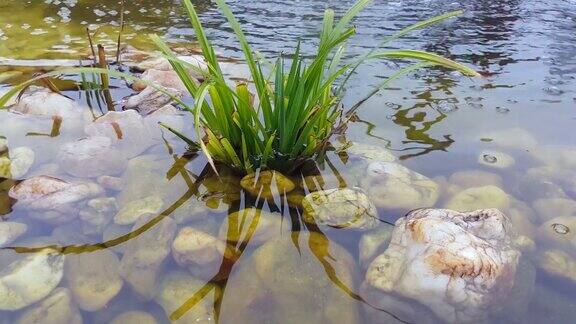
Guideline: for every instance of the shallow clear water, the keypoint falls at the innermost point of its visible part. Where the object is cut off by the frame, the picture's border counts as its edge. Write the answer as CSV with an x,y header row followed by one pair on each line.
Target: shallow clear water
x,y
438,124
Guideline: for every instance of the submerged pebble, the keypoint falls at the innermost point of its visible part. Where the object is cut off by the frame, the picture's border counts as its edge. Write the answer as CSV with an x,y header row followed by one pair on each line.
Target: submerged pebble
x,y
391,185
340,208
93,278
58,308
267,184
201,253
30,279
479,197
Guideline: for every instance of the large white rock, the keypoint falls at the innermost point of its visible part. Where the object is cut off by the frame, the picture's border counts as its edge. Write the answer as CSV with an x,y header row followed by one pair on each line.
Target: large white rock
x,y
52,200
168,115
91,157
393,186
460,265
126,130
29,279
42,102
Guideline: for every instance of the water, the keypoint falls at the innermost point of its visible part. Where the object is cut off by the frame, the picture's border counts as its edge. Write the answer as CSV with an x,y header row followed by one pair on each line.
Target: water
x,y
515,125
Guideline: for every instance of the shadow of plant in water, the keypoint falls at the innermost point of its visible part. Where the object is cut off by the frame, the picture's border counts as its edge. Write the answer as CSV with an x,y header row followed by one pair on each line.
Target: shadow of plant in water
x,y
241,228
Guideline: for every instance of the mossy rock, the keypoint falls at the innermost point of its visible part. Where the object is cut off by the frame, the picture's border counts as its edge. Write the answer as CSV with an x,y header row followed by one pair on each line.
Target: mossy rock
x,y
267,184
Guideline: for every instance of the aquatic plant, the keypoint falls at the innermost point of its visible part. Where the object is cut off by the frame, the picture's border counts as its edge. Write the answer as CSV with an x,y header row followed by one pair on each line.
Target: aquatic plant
x,y
297,106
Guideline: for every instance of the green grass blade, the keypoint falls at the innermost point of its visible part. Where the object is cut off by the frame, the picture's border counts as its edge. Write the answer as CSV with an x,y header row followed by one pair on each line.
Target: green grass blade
x,y
426,57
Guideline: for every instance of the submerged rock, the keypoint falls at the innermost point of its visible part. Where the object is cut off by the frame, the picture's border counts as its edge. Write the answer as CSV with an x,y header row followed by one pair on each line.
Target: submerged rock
x,y
371,153
391,185
374,242
550,208
58,308
144,255
111,183
559,233
93,278
133,210
52,200
478,198
255,224
314,277
177,288
340,208
150,99
168,115
97,214
201,253
42,102
558,264
126,130
559,157
460,265
21,160
161,78
512,138
91,157
29,279
495,159
267,184
134,317
10,231
475,178
5,167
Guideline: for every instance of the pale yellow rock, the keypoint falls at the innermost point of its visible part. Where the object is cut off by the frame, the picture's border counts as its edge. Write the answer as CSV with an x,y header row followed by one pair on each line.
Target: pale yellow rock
x,y
30,279
133,210
267,184
258,225
340,208
178,287
134,317
58,308
93,278
479,198
550,208
201,253
372,153
559,233
279,278
144,255
393,186
559,264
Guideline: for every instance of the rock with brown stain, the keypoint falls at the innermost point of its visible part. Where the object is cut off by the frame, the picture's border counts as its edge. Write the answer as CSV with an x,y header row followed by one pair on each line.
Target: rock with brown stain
x,y
460,265
53,200
126,130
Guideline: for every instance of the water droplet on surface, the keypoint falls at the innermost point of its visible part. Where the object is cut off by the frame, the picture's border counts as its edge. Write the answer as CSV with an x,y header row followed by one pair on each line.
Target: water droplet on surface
x,y
560,228
488,158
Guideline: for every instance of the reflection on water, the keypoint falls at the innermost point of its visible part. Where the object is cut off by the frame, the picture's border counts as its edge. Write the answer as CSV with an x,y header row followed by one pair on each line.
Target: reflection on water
x,y
207,255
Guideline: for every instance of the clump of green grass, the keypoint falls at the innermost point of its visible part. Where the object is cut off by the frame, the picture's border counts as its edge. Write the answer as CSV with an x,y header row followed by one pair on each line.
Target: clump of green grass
x,y
297,106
